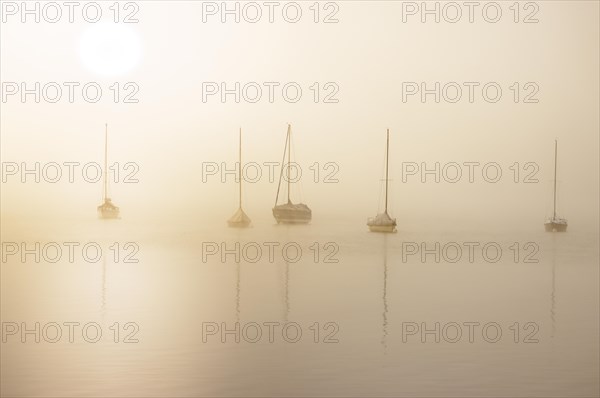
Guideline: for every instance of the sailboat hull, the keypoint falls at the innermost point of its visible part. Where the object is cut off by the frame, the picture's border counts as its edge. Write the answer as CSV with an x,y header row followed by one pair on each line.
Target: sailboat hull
x,y
239,220
292,214
382,228
108,211
382,223
555,227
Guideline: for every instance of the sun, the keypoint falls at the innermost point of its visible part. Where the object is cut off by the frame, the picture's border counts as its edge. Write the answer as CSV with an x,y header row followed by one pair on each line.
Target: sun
x,y
110,49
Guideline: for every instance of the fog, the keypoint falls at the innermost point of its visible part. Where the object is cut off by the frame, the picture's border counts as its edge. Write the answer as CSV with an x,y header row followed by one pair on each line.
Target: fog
x,y
171,132
466,163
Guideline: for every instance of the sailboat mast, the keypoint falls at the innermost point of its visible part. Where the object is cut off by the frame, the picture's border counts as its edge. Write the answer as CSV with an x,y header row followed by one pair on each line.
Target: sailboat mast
x,y
289,160
105,161
282,164
387,150
240,170
555,157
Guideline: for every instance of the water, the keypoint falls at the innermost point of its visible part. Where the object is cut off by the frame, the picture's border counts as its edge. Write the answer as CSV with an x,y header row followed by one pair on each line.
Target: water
x,y
363,301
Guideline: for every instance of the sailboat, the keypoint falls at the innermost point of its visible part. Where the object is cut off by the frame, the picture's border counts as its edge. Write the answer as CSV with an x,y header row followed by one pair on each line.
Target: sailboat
x,y
289,213
239,219
555,224
107,209
383,222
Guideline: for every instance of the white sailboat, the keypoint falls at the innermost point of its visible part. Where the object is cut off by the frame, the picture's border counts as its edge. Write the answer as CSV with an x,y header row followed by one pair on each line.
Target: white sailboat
x,y
555,223
383,222
239,218
107,209
289,213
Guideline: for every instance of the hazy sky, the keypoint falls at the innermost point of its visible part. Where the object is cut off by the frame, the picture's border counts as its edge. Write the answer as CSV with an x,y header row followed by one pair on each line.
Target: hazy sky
x,y
368,54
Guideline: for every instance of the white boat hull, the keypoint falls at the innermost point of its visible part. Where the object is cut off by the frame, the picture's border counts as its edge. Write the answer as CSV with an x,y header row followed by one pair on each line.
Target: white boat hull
x,y
382,223
239,220
107,210
555,226
382,228
108,214
292,214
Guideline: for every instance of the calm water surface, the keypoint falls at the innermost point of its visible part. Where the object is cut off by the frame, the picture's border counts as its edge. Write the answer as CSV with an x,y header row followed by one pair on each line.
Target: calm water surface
x,y
363,290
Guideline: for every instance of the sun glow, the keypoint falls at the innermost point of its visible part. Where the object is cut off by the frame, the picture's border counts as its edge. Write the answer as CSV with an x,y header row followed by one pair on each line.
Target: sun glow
x,y
110,49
